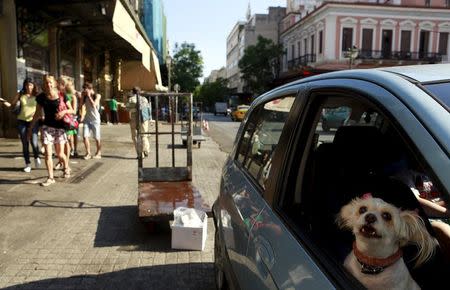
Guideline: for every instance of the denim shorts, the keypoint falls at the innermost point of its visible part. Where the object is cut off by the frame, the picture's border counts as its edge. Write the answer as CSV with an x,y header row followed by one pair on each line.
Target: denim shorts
x,y
94,127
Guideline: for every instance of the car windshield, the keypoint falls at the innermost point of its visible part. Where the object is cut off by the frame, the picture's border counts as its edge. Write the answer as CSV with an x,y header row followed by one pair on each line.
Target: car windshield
x,y
441,91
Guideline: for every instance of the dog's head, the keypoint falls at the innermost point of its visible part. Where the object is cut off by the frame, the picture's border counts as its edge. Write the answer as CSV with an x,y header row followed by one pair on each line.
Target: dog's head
x,y
381,228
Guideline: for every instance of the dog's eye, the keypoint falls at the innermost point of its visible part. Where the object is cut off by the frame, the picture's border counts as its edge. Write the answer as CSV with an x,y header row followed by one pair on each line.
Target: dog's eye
x,y
362,209
386,216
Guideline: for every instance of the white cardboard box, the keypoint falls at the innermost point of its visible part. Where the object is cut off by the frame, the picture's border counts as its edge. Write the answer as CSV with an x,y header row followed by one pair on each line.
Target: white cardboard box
x,y
189,238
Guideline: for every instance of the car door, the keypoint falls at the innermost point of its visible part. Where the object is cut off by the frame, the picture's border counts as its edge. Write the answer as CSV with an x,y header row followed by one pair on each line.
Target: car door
x,y
283,243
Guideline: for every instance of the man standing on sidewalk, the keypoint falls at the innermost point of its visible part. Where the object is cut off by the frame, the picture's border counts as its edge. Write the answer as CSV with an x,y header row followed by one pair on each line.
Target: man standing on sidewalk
x,y
145,116
112,104
91,120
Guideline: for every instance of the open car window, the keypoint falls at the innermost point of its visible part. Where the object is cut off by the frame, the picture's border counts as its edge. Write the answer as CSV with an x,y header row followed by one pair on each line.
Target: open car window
x,y
353,149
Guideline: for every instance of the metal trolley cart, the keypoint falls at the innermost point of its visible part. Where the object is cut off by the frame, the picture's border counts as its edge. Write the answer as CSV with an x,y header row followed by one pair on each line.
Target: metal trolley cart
x,y
197,126
162,189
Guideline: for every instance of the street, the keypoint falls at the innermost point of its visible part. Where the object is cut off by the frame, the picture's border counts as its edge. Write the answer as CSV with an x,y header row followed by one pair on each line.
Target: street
x,y
222,130
83,233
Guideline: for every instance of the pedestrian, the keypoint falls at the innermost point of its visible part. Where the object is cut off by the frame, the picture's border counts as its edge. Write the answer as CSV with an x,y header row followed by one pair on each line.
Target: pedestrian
x,y
67,88
112,104
53,132
81,110
25,108
91,120
144,118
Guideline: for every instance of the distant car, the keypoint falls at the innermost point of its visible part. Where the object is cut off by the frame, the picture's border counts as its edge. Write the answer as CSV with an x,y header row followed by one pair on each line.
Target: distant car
x,y
239,113
220,108
334,118
286,179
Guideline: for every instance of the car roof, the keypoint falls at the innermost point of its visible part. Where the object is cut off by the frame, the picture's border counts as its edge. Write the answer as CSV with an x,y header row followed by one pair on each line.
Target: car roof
x,y
422,73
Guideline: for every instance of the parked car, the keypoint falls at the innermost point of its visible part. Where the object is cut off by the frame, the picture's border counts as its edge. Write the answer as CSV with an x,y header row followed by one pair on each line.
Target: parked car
x,y
334,118
239,113
285,180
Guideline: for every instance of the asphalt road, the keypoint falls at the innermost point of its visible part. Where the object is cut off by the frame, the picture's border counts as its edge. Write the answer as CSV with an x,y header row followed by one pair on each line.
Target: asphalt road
x,y
222,130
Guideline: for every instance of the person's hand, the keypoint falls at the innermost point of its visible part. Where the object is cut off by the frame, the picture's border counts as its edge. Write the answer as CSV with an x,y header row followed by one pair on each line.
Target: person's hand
x,y
60,115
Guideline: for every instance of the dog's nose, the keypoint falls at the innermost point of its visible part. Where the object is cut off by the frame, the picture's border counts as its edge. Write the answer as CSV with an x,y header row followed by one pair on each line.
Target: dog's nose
x,y
370,218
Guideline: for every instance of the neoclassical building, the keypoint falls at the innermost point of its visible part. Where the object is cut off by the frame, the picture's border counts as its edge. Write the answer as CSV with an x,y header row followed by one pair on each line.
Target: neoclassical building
x,y
318,38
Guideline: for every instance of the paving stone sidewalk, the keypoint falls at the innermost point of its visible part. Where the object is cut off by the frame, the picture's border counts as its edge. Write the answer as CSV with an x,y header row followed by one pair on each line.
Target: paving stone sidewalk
x,y
83,232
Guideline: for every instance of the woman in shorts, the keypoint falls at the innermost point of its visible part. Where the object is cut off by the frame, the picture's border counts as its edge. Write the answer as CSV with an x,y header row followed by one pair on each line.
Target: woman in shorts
x,y
53,132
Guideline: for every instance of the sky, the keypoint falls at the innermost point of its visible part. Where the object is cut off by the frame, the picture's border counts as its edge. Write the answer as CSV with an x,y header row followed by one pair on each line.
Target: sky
x,y
207,23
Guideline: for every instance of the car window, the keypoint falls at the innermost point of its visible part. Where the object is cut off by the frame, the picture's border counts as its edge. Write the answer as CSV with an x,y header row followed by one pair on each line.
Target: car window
x,y
261,136
360,152
440,91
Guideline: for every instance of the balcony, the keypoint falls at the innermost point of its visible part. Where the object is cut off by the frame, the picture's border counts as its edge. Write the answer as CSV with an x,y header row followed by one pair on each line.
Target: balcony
x,y
303,60
430,57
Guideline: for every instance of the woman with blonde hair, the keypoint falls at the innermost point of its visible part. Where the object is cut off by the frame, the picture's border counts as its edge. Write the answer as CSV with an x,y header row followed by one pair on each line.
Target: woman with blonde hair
x,y
66,89
53,132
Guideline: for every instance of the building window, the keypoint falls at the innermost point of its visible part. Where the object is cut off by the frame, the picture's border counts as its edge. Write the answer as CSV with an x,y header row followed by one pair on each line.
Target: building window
x,y
424,43
447,3
443,43
292,52
347,38
299,50
405,42
312,44
427,3
367,41
305,46
320,42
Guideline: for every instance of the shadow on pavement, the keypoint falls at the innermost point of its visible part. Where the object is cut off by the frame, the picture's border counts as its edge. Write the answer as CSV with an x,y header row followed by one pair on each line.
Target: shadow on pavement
x,y
22,181
117,157
172,276
121,226
53,204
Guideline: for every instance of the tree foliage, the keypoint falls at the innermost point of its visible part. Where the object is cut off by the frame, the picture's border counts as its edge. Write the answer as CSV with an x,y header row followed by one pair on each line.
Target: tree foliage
x,y
260,64
187,66
211,92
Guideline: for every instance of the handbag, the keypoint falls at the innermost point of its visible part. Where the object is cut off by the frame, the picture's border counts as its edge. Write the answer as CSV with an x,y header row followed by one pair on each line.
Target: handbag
x,y
70,123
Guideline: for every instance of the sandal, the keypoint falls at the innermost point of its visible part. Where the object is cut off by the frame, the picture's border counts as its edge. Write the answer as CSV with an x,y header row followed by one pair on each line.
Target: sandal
x,y
67,172
48,182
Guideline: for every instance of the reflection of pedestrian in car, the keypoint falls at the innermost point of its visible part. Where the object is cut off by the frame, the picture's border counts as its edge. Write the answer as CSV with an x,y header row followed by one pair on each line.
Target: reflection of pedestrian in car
x,y
145,116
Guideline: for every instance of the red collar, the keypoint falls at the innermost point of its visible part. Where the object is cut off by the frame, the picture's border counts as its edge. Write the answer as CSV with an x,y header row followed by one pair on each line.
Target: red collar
x,y
378,263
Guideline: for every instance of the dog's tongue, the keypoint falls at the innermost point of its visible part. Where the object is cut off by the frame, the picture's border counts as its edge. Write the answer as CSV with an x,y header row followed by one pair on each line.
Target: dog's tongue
x,y
369,232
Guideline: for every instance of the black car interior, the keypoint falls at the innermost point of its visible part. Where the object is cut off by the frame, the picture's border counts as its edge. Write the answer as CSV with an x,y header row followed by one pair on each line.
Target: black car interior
x,y
353,164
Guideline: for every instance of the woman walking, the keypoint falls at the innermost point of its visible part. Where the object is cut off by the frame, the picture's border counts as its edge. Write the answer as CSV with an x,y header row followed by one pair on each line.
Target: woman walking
x,y
53,132
26,101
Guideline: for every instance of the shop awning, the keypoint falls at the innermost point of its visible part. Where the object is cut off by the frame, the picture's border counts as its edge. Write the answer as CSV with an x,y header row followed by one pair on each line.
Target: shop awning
x,y
133,73
125,27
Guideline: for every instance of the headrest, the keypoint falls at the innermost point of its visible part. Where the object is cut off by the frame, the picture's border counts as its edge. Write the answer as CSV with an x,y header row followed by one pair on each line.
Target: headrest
x,y
358,137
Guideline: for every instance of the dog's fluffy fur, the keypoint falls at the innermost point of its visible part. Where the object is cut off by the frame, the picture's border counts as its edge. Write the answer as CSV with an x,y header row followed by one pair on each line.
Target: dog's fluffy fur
x,y
381,237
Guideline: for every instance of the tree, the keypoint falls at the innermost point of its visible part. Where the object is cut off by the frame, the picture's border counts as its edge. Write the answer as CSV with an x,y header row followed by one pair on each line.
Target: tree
x,y
187,66
211,92
260,64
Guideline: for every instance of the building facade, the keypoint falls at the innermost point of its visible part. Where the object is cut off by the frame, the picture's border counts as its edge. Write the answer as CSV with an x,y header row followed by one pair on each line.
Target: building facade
x,y
154,21
348,34
216,74
245,34
100,42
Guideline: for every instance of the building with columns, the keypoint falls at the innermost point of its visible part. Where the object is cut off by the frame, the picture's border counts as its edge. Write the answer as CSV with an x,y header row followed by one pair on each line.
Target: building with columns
x,y
244,34
319,38
102,42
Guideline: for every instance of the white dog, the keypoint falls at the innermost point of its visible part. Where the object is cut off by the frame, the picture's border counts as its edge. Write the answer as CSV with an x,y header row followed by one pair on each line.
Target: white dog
x,y
381,229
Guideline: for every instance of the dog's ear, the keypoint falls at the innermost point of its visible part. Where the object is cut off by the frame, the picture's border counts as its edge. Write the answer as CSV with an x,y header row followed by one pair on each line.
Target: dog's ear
x,y
413,230
344,218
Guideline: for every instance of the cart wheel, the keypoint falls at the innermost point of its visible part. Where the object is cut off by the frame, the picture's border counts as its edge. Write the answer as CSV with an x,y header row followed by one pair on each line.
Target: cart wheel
x,y
199,144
